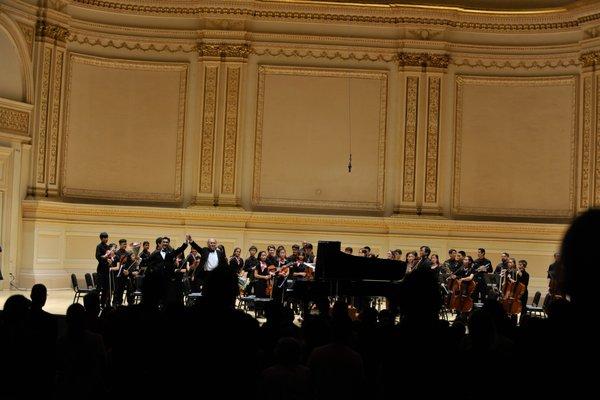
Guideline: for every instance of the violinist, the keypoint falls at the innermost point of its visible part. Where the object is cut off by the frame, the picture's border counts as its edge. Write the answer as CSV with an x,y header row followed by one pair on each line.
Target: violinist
x,y
103,255
279,283
122,261
523,277
143,257
192,262
262,276
271,255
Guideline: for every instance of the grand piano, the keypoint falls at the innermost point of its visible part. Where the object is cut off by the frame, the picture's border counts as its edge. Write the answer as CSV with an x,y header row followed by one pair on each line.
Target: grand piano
x,y
341,274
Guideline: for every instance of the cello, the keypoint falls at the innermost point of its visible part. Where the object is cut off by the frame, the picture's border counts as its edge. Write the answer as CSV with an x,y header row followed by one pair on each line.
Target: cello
x,y
460,298
511,296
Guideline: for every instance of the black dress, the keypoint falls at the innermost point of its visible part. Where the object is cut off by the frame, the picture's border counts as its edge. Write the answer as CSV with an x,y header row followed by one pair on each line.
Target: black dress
x,y
260,285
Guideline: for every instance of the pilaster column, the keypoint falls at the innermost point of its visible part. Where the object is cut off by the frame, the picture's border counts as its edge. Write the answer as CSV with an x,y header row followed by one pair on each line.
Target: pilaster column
x,y
49,70
223,68
421,79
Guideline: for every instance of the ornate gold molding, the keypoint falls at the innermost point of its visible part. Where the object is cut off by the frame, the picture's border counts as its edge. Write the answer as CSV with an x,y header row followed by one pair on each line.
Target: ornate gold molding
x,y
131,44
208,128
461,81
231,129
54,119
424,60
258,199
182,69
14,120
410,138
224,50
512,64
597,145
327,53
43,115
586,141
48,30
433,131
590,59
397,15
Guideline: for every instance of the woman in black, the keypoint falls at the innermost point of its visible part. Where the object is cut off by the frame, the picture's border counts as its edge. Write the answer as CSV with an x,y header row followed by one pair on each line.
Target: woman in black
x,y
261,276
236,263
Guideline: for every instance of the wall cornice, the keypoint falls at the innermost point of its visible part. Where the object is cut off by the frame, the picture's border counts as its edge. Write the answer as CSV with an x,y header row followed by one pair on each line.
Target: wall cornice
x,y
351,13
206,217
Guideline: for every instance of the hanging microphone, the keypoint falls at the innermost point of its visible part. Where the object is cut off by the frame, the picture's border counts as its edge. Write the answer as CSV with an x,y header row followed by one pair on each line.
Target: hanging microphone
x,y
350,164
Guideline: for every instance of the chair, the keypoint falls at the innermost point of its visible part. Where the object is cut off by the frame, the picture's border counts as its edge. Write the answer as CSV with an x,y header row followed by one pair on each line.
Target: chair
x,y
78,291
534,308
89,282
95,279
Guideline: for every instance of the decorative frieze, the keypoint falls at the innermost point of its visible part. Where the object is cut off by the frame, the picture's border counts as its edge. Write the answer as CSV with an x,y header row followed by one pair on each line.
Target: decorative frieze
x,y
14,120
424,60
224,50
48,30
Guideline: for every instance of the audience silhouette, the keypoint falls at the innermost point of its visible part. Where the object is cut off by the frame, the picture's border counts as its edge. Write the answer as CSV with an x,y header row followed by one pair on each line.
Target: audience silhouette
x,y
211,347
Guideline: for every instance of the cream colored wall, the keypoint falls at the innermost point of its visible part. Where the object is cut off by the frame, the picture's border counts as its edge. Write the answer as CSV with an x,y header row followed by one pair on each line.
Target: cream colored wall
x,y
12,84
233,123
62,237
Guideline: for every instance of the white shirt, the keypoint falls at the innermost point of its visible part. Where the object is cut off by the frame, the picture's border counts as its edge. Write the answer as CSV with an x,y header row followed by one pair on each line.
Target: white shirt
x,y
163,254
212,262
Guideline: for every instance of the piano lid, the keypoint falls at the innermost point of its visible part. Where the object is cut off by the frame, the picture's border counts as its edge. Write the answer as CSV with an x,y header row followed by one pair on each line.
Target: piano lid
x,y
333,264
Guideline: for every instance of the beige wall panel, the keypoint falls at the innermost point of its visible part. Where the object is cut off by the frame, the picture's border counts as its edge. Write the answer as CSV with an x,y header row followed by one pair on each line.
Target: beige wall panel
x,y
125,124
80,247
515,146
11,82
48,248
303,138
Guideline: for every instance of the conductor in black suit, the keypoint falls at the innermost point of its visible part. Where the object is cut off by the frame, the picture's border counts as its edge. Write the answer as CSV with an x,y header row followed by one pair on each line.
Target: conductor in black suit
x,y
210,259
160,272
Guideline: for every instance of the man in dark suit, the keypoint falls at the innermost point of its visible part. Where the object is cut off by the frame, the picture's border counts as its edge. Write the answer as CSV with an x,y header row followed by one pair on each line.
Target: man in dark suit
x,y
160,271
210,259
103,257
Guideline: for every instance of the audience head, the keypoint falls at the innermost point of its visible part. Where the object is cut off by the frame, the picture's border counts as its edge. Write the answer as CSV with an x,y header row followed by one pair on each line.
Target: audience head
x,y
39,294
576,270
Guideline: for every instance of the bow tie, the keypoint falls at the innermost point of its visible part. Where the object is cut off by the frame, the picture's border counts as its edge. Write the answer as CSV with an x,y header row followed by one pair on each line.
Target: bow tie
x,y
212,251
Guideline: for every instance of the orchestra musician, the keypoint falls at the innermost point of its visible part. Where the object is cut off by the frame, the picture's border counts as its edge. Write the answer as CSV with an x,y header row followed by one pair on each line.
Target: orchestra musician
x,y
481,266
262,276
236,262
143,257
503,263
103,255
158,283
523,277
453,262
123,260
250,265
